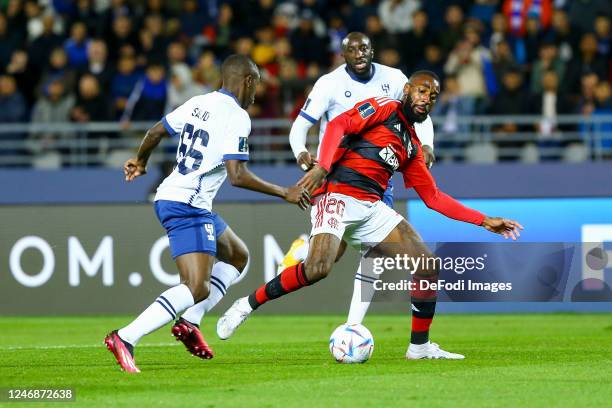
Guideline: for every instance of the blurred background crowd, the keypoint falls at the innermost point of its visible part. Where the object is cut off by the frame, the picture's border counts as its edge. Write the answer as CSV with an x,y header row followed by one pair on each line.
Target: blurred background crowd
x,y
121,60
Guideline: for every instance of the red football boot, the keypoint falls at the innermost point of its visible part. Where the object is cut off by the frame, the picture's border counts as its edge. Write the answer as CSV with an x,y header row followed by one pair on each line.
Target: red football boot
x,y
122,354
192,338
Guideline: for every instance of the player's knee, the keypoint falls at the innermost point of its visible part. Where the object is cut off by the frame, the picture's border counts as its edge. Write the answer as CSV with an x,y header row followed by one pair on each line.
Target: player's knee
x,y
317,269
199,290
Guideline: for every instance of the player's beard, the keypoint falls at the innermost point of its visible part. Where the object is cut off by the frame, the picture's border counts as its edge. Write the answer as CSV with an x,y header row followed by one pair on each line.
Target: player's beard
x,y
411,115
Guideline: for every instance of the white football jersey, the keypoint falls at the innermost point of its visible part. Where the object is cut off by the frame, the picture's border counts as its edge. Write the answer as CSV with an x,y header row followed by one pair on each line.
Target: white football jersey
x,y
211,128
338,91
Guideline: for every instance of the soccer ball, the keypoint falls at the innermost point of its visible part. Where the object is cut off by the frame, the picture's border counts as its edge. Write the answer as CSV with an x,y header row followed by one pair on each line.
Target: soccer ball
x,y
351,344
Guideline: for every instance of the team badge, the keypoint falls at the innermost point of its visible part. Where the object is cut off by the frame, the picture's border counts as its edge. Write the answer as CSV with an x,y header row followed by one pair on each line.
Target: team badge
x,y
386,88
366,110
347,94
243,145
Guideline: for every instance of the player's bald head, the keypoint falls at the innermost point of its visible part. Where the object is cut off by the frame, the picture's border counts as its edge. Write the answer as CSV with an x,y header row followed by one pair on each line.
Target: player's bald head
x,y
236,67
355,37
422,74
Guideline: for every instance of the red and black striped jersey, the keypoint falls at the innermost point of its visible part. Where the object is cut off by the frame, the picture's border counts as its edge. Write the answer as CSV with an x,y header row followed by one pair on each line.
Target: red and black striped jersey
x,y
364,146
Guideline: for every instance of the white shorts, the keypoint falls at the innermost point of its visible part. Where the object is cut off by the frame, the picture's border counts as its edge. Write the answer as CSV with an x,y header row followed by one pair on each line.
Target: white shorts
x,y
359,222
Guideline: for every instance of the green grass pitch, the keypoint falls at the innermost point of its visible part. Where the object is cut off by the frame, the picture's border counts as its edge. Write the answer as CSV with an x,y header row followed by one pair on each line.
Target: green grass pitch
x,y
553,360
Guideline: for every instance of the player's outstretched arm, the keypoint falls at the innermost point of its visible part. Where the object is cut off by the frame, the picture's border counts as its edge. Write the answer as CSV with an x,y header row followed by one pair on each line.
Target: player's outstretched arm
x,y
241,176
503,226
137,166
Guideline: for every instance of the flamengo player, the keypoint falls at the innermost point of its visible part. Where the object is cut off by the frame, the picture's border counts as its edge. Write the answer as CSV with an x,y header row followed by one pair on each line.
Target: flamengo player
x,y
359,152
332,95
214,130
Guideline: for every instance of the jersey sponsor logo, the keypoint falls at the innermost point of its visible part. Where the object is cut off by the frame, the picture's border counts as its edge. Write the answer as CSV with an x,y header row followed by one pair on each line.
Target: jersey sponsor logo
x,y
389,157
386,88
306,104
347,94
366,110
243,144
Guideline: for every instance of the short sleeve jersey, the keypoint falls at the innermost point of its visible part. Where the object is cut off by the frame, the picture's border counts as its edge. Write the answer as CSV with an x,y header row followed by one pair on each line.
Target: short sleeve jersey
x,y
211,128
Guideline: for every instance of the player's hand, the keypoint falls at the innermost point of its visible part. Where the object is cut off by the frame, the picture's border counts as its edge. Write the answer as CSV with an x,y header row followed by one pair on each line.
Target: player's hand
x,y
503,226
430,157
298,195
305,161
134,168
313,179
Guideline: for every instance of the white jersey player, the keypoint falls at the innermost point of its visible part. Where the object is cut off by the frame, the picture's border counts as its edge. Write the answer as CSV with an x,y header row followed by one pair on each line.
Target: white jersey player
x,y
213,130
333,94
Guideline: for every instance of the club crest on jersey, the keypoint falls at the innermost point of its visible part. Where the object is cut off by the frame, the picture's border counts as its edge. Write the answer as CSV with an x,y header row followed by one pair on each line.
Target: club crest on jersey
x,y
388,155
243,145
366,110
386,88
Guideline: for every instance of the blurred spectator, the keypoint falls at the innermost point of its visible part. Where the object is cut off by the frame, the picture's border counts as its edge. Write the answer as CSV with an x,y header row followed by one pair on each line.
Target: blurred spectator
x,y
86,14
453,31
604,38
414,42
451,105
207,73
465,62
153,43
122,35
40,49
518,12
192,18
148,99
390,57
603,97
357,15
396,15
533,38
58,69
379,38
432,61
584,12
549,102
588,60
176,54
12,109
97,64
510,100
565,35
588,83
34,16
123,82
12,103
223,32
91,104
263,52
76,45
483,10
54,106
182,87
306,44
16,21
503,60
336,32
25,75
548,60
8,42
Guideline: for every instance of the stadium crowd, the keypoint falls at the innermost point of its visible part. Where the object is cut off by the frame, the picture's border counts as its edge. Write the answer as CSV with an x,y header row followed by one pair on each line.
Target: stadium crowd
x,y
119,60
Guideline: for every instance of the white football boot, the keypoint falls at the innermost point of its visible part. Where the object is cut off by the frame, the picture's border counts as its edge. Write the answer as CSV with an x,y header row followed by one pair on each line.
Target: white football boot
x,y
430,350
234,317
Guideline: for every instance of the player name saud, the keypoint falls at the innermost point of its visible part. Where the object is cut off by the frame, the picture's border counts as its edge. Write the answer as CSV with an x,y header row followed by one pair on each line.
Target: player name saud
x,y
441,284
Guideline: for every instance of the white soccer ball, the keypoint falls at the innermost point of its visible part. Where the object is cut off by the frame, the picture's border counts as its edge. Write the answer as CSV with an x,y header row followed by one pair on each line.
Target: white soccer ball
x,y
351,344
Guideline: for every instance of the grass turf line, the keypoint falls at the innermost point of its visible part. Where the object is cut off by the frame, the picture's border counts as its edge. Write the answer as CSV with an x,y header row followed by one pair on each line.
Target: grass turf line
x,y
552,360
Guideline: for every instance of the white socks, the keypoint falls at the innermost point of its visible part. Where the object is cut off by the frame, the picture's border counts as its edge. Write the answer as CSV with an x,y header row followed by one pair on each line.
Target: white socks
x,y
363,292
223,275
163,310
